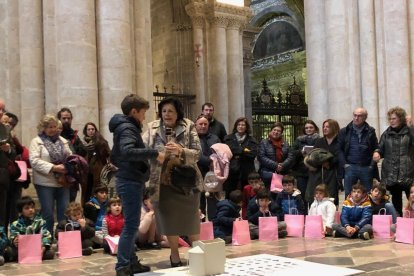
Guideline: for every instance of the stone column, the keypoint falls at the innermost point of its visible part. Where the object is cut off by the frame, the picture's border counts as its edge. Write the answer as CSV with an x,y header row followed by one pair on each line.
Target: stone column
x,y
218,70
141,47
198,39
114,58
411,43
31,67
76,59
234,70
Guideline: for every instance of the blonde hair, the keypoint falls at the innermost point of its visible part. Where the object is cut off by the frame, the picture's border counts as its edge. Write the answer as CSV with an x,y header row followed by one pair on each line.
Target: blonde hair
x,y
45,121
72,208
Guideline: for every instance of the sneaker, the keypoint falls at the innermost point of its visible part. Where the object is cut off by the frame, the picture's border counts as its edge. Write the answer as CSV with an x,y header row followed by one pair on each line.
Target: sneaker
x,y
1,260
334,234
87,251
124,271
137,267
365,236
49,255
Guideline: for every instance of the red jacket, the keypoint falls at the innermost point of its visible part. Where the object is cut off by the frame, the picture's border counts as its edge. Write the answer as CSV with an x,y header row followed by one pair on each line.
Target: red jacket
x,y
114,224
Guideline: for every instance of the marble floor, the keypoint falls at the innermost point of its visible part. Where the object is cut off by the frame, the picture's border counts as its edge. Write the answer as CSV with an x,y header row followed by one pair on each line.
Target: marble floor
x,y
375,257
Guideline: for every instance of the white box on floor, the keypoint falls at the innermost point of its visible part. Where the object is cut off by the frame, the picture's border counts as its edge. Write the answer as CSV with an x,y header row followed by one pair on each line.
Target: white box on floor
x,y
214,256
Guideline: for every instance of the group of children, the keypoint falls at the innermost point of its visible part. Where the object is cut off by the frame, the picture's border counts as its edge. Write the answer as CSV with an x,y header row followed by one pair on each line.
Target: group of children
x,y
100,217
355,217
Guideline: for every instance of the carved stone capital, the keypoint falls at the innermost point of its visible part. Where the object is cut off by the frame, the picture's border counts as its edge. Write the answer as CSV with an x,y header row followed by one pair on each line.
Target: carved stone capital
x,y
219,21
235,23
198,21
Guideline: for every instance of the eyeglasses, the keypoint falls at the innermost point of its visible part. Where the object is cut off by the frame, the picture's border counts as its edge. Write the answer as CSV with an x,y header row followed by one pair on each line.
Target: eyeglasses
x,y
359,115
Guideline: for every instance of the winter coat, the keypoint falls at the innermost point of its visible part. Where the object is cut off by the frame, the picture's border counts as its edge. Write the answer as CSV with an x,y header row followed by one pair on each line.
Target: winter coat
x,y
41,163
358,214
37,225
186,136
221,157
326,208
75,143
129,153
88,232
377,207
298,166
397,149
77,168
285,203
206,141
95,211
267,158
227,213
217,128
113,225
254,213
4,241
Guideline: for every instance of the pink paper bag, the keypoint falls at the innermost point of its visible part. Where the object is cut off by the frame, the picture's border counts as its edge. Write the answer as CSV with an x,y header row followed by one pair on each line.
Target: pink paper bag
x,y
113,243
314,227
268,230
241,232
69,244
276,184
206,231
338,217
405,230
295,225
183,243
381,225
23,168
30,249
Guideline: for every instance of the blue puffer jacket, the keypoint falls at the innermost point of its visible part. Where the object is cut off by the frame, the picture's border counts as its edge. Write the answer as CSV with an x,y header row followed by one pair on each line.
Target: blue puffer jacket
x,y
129,153
356,214
227,213
267,158
286,203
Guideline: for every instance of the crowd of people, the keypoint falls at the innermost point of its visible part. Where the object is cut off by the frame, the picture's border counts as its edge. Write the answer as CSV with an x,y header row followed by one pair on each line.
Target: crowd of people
x,y
160,198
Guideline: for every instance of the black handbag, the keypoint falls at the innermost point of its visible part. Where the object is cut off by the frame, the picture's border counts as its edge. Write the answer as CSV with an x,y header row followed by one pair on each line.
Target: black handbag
x,y
184,177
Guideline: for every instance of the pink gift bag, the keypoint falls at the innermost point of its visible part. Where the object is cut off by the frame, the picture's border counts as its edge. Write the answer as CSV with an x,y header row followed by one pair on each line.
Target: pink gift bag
x,y
314,227
405,230
69,244
30,249
113,243
23,168
338,217
206,231
268,230
294,224
381,225
276,184
183,243
241,232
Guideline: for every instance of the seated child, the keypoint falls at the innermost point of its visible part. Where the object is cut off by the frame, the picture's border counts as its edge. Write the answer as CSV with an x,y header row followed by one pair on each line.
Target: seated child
x,y
95,210
113,222
250,191
356,215
29,222
323,206
262,206
408,211
380,200
289,200
4,241
228,210
148,236
76,221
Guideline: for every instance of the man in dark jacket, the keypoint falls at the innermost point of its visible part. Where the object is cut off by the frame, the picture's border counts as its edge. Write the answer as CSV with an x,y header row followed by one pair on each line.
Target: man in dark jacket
x,y
215,127
131,157
357,143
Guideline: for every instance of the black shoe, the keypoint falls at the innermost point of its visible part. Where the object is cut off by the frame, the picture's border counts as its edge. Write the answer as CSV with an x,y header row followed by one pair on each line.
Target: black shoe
x,y
49,255
175,264
282,234
124,271
152,245
139,268
87,251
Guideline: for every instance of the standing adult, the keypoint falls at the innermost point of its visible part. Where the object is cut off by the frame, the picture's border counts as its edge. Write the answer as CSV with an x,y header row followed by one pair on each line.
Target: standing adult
x,y
131,157
215,126
176,207
244,149
357,142
396,146
324,164
75,143
48,152
273,154
97,155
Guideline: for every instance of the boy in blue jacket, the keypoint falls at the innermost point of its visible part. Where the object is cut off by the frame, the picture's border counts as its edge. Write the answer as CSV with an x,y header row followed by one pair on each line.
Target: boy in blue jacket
x,y
228,210
356,215
289,200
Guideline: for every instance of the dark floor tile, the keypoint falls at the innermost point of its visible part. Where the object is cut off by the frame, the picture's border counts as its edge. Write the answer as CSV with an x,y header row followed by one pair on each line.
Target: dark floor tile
x,y
342,261
375,266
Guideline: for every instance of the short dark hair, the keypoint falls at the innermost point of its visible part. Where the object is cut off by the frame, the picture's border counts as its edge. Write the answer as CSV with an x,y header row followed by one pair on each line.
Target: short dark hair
x,y
236,196
13,116
288,179
23,201
378,185
263,194
207,104
359,186
253,176
310,122
278,124
322,188
148,192
201,116
132,101
111,201
64,109
100,188
177,105
242,119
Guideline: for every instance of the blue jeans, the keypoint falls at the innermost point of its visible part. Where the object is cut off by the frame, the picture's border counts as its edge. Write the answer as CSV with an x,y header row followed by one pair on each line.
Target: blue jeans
x,y
47,197
353,173
130,193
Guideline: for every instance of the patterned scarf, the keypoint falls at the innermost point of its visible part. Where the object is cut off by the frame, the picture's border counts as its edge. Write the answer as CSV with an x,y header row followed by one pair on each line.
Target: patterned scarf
x,y
278,144
55,148
89,143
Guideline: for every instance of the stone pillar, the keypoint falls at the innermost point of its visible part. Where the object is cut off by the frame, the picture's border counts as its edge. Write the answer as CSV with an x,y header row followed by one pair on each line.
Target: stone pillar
x,y
411,43
76,59
198,38
234,70
114,58
218,70
141,47
31,67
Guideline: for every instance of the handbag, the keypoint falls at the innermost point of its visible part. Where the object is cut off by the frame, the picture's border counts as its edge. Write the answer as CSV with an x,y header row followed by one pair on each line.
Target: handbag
x,y
113,243
295,224
276,183
268,229
381,225
184,177
241,232
405,230
314,227
69,244
13,169
30,248
23,169
206,231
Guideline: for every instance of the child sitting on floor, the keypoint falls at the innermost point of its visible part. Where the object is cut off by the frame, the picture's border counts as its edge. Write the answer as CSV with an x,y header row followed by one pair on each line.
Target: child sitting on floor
x,y
76,221
289,200
4,242
113,222
380,200
408,211
95,210
250,191
323,206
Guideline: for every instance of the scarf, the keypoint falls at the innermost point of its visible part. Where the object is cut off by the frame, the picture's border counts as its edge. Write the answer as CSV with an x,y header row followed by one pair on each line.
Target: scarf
x,y
240,138
89,143
358,131
55,148
278,145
